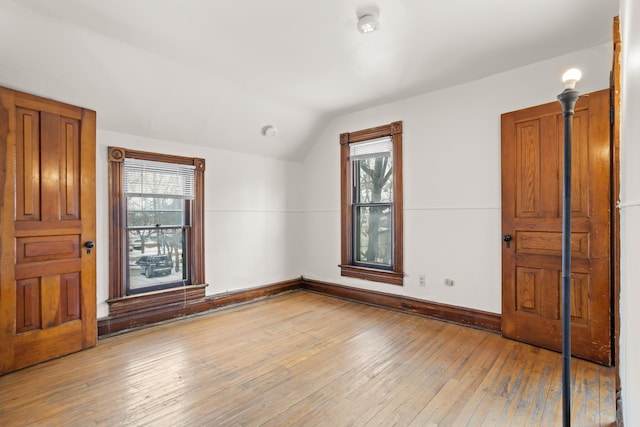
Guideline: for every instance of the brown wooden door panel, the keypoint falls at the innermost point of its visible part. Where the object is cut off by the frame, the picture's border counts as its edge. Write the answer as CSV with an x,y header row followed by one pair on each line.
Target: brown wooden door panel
x,y
69,169
47,294
549,262
550,243
28,305
28,348
577,225
33,102
42,248
44,302
532,155
27,165
69,297
538,292
580,164
46,268
47,228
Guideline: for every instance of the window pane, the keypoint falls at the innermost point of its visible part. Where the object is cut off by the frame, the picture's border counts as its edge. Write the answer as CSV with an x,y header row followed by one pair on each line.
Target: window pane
x,y
156,257
373,235
375,180
149,211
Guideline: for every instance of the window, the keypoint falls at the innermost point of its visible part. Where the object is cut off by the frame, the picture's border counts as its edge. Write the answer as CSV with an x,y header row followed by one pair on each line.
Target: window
x,y
158,197
156,231
371,188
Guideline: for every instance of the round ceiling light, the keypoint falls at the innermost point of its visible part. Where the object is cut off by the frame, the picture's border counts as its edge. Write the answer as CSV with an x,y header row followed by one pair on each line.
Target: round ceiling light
x,y
368,24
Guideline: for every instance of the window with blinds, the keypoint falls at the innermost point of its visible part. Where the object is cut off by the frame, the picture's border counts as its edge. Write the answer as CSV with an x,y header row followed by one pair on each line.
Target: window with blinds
x,y
371,205
379,147
158,197
158,179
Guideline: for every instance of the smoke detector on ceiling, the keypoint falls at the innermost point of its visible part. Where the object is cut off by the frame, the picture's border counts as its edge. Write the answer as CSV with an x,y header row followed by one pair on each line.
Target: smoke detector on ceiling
x,y
269,130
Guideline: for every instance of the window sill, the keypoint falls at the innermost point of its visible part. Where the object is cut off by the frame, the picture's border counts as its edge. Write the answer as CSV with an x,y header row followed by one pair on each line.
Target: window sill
x,y
372,274
155,299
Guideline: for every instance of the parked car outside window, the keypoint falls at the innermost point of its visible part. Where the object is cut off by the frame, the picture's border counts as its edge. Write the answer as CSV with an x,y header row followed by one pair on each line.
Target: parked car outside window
x,y
155,265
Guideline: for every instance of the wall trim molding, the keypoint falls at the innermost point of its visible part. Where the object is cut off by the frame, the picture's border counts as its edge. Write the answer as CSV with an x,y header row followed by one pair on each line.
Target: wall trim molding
x,y
145,316
449,313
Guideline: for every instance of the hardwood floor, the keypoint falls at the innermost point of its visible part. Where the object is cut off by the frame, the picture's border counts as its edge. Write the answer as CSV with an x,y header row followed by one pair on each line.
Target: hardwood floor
x,y
306,359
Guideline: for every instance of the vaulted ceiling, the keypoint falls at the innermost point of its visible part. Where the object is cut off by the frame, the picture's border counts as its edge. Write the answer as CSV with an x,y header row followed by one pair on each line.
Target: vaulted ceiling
x,y
213,72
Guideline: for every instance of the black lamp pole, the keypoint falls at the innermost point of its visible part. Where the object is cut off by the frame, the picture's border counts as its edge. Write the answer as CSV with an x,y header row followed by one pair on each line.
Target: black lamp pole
x,y
567,99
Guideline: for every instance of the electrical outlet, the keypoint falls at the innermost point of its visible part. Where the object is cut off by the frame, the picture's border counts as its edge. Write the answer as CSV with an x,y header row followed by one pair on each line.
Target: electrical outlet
x,y
422,281
448,282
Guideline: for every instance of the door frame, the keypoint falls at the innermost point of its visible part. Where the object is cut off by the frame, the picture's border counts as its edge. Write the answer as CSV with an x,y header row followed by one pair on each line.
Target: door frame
x,y
615,198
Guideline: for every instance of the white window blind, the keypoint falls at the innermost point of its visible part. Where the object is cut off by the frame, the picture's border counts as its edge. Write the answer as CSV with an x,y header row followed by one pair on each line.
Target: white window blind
x,y
378,147
144,178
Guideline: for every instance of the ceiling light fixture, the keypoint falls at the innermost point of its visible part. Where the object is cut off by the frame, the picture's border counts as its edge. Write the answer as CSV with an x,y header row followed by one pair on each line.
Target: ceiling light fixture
x,y
368,24
269,131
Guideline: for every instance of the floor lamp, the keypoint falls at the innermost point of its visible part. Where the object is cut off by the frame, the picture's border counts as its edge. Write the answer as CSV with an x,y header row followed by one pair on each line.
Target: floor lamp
x,y
567,99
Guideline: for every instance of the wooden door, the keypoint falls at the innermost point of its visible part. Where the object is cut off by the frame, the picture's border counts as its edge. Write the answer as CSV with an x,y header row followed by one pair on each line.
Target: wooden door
x,y
532,156
47,215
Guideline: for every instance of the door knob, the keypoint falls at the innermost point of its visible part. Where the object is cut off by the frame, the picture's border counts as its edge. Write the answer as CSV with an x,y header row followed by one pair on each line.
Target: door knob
x,y
89,245
507,238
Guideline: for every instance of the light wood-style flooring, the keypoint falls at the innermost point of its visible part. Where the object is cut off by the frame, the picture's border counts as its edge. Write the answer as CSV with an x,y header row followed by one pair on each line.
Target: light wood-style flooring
x,y
306,359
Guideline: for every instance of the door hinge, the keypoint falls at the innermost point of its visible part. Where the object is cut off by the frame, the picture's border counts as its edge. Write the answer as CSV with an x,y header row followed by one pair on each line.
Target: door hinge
x,y
612,115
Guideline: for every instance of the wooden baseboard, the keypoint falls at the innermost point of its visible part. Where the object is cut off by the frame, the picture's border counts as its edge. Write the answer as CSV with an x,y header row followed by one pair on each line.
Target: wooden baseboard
x,y
463,316
124,321
134,319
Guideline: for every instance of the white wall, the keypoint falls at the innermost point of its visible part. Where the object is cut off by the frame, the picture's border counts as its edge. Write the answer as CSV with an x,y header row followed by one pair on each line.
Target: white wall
x,y
451,145
253,215
630,212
